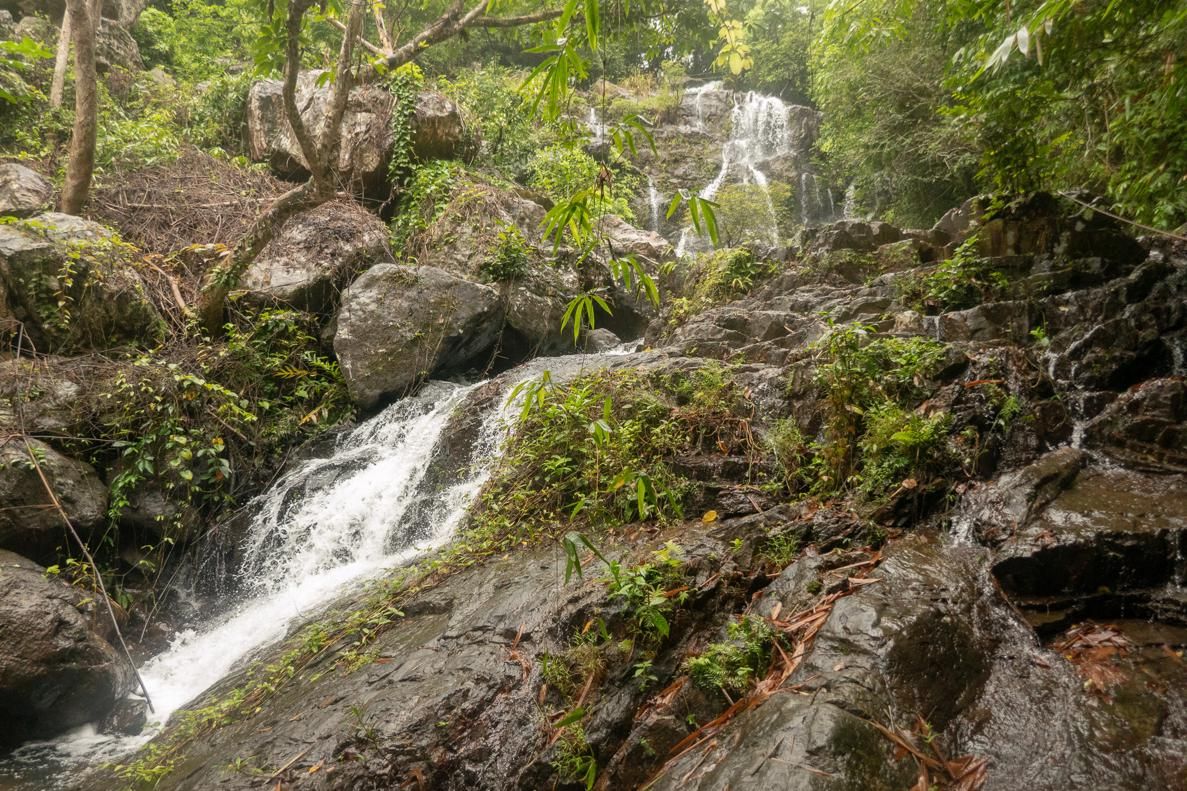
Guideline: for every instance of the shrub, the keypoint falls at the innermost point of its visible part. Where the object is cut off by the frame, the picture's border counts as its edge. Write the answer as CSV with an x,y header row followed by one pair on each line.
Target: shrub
x,y
510,257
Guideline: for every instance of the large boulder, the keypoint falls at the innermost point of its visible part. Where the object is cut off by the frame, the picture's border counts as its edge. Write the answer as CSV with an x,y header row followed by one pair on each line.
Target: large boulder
x,y
399,324
367,139
56,671
74,286
46,395
316,255
23,192
438,131
29,522
116,49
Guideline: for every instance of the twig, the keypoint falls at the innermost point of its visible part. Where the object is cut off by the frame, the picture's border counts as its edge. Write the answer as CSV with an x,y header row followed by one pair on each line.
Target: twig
x,y
1119,218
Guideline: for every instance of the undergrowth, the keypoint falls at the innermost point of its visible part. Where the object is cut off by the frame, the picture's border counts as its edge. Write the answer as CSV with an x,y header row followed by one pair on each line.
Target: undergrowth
x,y
599,451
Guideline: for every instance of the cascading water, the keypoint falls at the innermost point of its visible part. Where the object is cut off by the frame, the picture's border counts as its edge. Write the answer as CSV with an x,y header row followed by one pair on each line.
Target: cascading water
x,y
654,203
327,524
760,132
597,127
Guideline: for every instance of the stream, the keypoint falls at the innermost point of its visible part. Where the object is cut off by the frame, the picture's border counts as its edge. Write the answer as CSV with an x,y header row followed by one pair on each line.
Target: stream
x,y
323,529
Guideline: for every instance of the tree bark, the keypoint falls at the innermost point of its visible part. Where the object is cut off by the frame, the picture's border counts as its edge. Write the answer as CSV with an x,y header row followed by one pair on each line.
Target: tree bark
x,y
57,85
81,164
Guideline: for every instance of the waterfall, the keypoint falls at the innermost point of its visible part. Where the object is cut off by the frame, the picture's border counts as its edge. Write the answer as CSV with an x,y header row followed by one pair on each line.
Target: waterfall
x,y
698,95
324,524
381,498
654,201
320,530
597,127
760,131
849,207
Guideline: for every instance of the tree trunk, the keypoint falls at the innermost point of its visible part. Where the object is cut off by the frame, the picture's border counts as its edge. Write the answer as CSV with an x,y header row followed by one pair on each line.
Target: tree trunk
x,y
321,154
57,85
81,164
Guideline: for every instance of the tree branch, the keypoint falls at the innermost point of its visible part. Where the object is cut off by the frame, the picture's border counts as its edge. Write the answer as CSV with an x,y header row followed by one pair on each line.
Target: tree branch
x,y
453,22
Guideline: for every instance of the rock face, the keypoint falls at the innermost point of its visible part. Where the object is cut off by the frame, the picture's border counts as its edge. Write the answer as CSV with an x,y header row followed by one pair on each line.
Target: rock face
x,y
1146,428
398,325
56,673
116,49
437,128
367,139
23,193
73,286
28,522
316,255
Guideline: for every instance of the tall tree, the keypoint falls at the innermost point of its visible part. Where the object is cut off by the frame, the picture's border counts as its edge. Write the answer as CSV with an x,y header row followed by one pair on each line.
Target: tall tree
x,y
81,164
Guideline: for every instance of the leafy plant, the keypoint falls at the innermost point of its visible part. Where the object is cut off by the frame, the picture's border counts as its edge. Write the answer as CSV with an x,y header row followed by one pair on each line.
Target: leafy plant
x,y
732,665
510,258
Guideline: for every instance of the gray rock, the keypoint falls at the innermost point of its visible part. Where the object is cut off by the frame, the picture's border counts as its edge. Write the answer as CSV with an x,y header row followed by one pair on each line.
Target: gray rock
x,y
73,286
994,512
23,192
398,325
116,49
316,255
44,395
56,673
29,523
367,139
438,131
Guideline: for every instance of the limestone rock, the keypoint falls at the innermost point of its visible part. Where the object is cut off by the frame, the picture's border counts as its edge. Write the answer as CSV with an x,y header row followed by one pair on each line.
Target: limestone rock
x,y
398,325
116,49
315,255
29,524
73,286
56,673
23,192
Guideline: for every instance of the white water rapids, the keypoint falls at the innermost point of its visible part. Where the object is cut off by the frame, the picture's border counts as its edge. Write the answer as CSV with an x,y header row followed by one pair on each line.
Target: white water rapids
x,y
324,527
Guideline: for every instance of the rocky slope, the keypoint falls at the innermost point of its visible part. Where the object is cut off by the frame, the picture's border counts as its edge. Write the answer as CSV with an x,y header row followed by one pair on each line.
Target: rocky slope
x,y
1019,595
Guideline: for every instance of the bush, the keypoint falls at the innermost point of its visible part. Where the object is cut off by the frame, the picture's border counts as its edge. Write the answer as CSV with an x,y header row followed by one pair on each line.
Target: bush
x,y
510,258
599,451
560,172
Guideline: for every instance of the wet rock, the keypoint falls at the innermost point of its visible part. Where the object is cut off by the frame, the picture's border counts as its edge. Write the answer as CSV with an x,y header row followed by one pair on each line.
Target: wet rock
x,y
1112,531
127,718
1145,428
996,511
55,672
23,192
73,286
29,524
398,325
600,340
316,255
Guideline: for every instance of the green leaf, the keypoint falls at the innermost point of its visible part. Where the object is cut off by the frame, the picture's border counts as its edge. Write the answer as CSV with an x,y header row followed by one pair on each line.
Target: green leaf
x,y
576,715
593,23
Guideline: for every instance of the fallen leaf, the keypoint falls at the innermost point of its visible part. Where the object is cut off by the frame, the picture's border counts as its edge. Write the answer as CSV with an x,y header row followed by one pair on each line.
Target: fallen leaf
x,y
709,516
